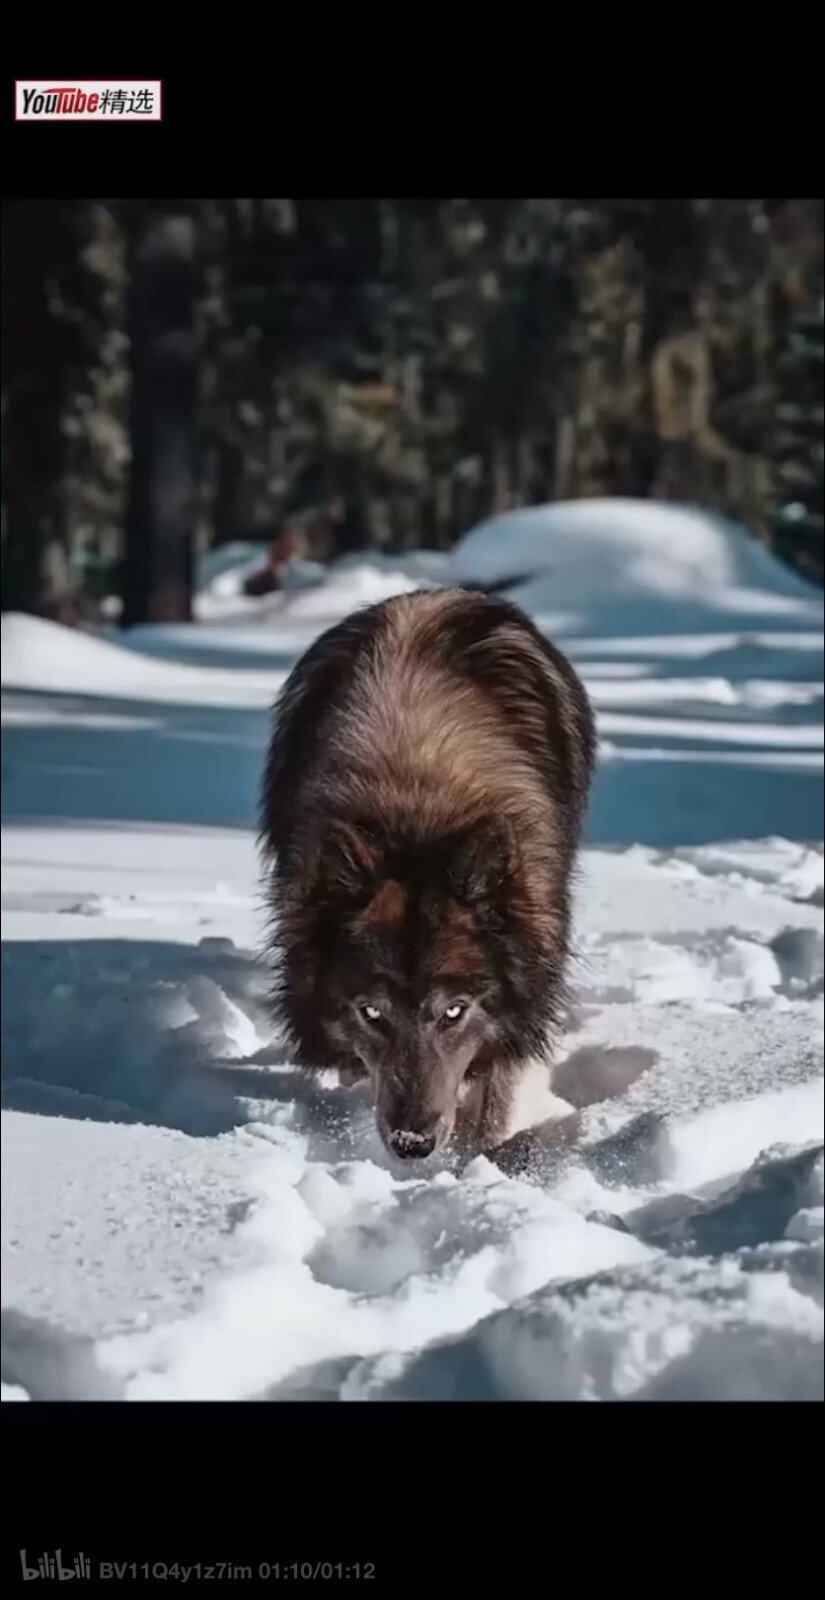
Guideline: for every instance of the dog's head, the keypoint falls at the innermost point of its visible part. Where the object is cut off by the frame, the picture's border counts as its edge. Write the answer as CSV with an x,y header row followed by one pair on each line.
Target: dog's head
x,y
415,985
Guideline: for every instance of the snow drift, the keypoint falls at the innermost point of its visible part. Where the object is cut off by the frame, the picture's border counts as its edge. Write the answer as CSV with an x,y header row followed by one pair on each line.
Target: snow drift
x,y
591,553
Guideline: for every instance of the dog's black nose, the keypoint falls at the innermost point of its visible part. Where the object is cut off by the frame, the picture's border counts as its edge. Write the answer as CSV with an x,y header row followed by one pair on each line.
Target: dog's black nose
x,y
412,1145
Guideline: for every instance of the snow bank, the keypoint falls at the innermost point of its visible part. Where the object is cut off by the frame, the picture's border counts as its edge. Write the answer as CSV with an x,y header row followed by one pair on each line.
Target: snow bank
x,y
310,591
36,655
582,552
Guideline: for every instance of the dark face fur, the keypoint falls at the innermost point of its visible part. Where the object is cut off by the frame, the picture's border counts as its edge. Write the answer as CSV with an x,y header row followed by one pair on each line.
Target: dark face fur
x,y
414,991
416,1042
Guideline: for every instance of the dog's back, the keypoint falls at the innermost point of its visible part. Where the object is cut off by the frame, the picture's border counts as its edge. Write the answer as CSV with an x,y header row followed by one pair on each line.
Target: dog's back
x,y
429,710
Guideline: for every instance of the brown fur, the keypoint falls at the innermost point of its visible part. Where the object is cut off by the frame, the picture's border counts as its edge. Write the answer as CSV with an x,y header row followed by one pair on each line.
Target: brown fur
x,y
386,908
423,796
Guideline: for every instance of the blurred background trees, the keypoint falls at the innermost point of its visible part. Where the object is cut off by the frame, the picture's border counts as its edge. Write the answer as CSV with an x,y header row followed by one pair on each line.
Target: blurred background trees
x,y
383,373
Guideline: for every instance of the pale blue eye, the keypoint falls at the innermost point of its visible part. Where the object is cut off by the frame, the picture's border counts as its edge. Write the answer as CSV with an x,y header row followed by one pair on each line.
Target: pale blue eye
x,y
371,1013
453,1013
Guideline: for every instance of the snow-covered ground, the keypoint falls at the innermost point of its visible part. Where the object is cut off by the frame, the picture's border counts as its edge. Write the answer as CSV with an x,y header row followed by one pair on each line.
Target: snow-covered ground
x,y
183,1217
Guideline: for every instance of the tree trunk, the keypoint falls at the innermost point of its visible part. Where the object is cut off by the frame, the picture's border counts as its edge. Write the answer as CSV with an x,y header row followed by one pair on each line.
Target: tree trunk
x,y
33,380
227,515
163,247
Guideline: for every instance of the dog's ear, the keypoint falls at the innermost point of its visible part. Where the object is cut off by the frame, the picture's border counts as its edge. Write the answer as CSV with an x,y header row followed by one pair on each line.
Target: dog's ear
x,y
349,860
483,862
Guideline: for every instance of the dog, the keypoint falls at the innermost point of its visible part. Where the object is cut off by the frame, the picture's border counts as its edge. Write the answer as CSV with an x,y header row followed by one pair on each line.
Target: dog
x,y
422,801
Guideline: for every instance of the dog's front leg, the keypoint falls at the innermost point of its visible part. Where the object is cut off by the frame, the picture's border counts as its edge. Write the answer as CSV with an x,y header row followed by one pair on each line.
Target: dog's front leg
x,y
538,1150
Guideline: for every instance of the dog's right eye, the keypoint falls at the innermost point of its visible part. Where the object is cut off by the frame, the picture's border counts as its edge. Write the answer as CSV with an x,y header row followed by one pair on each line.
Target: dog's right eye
x,y
370,1013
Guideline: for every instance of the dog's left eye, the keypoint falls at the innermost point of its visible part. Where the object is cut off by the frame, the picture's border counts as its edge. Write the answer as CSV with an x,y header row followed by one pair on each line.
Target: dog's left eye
x,y
370,1013
453,1013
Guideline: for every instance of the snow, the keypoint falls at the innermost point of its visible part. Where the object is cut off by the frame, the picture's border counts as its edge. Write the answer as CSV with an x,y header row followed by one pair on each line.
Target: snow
x,y
183,1216
309,591
37,655
590,554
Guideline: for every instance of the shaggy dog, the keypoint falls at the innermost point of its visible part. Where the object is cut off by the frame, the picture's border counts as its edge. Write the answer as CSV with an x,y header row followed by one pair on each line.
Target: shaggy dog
x,y
423,796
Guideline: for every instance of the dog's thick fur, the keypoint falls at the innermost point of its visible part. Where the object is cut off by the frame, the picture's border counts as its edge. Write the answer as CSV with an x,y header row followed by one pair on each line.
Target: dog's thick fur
x,y
423,796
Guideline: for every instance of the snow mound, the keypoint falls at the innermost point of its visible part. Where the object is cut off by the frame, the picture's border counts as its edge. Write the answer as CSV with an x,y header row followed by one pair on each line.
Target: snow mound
x,y
589,553
310,591
736,1337
346,589
41,656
